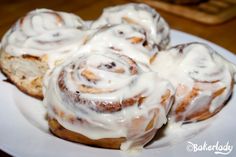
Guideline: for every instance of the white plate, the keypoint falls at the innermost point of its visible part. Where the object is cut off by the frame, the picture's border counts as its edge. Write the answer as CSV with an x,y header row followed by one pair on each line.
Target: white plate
x,y
24,131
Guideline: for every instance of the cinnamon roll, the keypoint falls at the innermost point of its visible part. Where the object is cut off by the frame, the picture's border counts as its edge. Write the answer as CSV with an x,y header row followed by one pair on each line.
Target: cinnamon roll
x,y
156,28
126,39
37,42
203,80
107,100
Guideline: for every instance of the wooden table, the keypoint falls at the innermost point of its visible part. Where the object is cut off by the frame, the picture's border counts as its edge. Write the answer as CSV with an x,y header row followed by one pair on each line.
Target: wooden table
x,y
223,34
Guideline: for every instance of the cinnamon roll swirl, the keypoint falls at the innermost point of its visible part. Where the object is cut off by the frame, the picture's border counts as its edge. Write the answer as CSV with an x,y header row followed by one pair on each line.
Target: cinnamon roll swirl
x,y
202,78
37,42
107,100
156,28
126,39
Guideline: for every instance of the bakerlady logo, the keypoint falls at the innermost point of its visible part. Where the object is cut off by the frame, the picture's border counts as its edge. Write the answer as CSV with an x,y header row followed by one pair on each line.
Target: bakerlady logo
x,y
217,148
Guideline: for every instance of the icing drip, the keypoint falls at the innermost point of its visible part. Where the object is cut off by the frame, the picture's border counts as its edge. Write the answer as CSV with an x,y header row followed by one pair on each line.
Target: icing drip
x,y
106,95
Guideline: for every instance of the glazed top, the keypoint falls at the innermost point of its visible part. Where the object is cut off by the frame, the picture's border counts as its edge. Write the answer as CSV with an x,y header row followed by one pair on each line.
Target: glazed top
x,y
49,34
139,14
106,95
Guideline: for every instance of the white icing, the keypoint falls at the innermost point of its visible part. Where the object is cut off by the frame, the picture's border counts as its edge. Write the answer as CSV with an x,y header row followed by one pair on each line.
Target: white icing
x,y
45,33
55,36
116,88
118,39
140,14
176,132
195,65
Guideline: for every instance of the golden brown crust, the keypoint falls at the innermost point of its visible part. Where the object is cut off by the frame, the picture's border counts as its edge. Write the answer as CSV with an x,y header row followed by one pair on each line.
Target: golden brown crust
x,y
13,68
58,130
21,88
112,143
